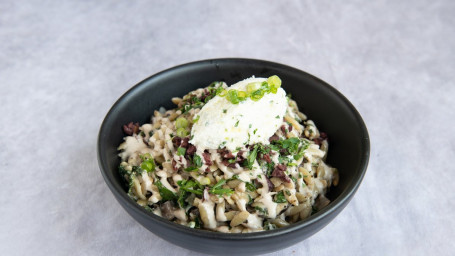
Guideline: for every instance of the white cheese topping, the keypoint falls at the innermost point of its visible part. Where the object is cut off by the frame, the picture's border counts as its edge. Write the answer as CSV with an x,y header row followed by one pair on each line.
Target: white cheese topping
x,y
235,125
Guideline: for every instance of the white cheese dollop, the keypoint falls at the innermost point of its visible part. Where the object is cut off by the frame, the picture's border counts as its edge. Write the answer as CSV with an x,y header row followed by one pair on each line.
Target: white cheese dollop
x,y
222,123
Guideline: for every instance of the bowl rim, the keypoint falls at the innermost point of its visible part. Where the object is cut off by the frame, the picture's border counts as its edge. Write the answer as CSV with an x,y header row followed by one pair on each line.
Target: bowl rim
x,y
339,202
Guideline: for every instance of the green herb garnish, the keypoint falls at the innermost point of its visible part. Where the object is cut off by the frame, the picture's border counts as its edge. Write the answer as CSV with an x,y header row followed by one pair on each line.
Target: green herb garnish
x,y
182,132
261,210
255,91
165,193
196,119
186,187
218,190
197,160
293,179
250,186
252,157
280,198
181,123
148,164
191,186
181,151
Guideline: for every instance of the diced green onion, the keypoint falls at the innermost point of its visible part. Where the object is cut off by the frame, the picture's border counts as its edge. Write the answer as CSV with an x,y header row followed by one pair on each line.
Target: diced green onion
x,y
255,90
274,82
251,87
204,181
265,87
232,96
148,165
221,92
181,132
181,123
242,95
257,95
145,156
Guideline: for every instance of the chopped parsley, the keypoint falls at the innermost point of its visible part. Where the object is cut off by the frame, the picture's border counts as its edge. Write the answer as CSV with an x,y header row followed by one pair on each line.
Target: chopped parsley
x,y
181,151
261,210
191,169
191,186
197,160
280,198
269,226
165,193
252,157
293,179
250,186
218,190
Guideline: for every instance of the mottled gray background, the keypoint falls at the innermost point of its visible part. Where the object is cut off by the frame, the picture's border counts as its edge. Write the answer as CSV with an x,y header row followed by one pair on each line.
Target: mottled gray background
x,y
64,63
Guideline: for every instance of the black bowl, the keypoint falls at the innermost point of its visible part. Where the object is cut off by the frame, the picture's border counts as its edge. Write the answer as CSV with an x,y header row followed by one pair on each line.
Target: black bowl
x,y
330,110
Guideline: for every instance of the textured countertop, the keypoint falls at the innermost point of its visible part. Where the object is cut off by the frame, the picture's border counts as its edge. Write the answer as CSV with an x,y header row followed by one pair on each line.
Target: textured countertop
x,y
64,63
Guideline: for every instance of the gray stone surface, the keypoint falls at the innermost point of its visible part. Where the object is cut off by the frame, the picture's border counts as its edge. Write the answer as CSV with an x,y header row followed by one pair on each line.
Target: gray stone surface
x,y
64,63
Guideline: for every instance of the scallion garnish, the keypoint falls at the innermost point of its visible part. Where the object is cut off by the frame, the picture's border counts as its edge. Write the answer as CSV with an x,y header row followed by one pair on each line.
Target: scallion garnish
x,y
255,91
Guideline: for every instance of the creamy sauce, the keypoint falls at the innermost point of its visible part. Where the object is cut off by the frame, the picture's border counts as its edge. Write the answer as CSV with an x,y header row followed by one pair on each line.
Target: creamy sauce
x,y
245,176
254,222
220,209
222,123
132,145
266,198
241,204
147,181
207,214
163,179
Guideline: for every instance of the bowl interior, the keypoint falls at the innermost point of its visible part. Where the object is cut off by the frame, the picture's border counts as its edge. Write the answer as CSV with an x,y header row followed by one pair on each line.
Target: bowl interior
x,y
331,112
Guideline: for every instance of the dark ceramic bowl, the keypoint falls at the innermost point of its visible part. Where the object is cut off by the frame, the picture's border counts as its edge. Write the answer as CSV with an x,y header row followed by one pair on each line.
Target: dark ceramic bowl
x,y
330,110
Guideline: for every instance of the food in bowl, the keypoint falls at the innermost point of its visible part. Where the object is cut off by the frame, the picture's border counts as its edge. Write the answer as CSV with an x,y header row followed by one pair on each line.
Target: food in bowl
x,y
230,159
